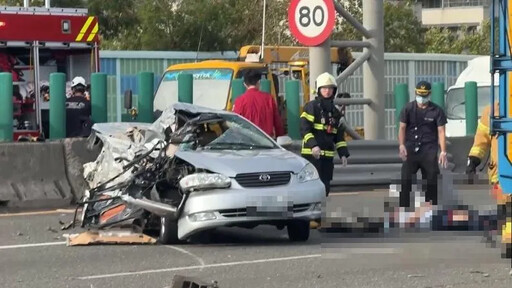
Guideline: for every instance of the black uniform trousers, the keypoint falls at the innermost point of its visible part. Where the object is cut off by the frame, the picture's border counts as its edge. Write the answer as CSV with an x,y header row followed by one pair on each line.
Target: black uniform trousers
x,y
427,162
325,167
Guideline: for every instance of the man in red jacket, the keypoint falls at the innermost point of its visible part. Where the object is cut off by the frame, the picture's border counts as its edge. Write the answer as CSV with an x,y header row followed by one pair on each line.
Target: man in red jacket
x,y
259,107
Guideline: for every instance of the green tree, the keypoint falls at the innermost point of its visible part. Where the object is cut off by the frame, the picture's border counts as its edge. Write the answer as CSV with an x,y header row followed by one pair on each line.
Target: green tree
x,y
461,41
402,30
119,23
440,40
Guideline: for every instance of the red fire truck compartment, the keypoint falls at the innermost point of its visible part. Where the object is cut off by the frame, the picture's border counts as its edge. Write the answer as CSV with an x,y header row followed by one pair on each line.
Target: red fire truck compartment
x,y
51,28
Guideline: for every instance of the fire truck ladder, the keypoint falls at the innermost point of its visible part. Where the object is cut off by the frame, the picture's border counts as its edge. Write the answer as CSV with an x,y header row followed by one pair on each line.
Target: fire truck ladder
x,y
501,62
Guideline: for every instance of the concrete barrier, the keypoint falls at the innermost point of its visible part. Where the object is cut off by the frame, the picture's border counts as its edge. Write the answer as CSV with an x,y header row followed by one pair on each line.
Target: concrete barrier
x,y
33,175
76,155
43,175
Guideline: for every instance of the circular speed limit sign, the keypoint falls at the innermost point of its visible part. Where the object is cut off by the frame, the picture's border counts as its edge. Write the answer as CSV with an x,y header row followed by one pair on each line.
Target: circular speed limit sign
x,y
311,21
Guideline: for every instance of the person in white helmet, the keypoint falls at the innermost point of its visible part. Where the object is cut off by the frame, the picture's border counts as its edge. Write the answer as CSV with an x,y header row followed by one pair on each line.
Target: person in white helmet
x,y
78,110
322,135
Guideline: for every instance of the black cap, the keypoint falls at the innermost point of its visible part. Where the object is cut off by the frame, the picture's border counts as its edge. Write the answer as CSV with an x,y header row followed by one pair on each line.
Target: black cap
x,y
423,88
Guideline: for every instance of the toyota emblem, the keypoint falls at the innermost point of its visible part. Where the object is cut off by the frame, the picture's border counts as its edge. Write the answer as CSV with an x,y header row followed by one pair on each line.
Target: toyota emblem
x,y
264,177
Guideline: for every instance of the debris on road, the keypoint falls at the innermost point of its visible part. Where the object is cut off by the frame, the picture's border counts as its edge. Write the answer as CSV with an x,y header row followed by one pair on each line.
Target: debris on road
x,y
180,281
66,226
19,234
107,237
415,275
49,228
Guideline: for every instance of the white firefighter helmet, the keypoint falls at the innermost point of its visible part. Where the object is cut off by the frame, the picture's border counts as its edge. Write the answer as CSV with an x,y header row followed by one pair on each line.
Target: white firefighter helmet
x,y
78,81
326,80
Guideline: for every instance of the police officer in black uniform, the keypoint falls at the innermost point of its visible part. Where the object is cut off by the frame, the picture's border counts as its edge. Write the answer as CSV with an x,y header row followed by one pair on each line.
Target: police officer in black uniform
x,y
321,132
421,133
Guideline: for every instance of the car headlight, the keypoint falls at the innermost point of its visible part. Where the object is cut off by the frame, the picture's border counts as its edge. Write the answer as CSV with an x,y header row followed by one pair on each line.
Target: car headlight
x,y
201,181
308,173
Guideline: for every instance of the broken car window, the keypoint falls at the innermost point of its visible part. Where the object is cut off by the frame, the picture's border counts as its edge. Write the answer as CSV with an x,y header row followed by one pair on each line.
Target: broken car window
x,y
229,132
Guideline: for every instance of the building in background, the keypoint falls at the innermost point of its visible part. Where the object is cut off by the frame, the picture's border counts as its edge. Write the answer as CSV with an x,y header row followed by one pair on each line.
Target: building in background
x,y
454,14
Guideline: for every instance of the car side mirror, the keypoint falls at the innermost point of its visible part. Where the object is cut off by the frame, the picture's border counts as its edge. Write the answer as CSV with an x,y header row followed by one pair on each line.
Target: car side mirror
x,y
284,141
128,99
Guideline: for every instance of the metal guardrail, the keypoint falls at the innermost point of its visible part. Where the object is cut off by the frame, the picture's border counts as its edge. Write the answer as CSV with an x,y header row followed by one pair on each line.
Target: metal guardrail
x,y
371,162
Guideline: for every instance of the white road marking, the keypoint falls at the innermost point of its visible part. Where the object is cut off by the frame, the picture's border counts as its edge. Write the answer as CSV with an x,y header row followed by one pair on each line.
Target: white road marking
x,y
198,259
199,266
32,245
61,211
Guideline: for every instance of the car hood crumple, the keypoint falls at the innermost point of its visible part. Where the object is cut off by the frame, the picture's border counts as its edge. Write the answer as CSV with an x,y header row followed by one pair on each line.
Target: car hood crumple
x,y
233,162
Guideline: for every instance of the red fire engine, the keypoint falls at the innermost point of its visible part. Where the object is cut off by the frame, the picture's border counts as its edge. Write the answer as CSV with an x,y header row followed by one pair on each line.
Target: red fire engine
x,y
35,42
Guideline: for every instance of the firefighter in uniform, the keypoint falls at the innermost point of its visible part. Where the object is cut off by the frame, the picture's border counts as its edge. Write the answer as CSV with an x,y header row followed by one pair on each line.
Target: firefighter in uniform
x,y
78,110
321,133
483,141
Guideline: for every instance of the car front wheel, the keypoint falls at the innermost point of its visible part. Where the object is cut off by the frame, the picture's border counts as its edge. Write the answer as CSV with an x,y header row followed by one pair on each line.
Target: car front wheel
x,y
298,231
168,231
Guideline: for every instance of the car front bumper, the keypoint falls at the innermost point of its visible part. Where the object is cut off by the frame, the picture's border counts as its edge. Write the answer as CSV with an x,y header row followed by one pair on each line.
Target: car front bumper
x,y
237,205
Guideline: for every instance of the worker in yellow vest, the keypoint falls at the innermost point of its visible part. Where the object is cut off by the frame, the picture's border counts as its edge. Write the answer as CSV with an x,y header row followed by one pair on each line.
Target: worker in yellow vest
x,y
483,141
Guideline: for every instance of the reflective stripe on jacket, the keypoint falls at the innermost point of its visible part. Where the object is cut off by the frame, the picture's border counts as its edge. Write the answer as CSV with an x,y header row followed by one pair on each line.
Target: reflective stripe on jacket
x,y
315,133
482,143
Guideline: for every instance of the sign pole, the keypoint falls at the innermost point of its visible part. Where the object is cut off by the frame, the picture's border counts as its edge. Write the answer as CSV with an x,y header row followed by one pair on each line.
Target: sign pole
x,y
373,72
319,62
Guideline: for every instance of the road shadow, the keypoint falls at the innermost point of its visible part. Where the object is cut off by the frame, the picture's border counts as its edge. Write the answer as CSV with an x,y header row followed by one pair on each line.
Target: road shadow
x,y
259,236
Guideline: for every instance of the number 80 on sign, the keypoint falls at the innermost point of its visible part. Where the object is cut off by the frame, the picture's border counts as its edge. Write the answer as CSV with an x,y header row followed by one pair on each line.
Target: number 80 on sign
x,y
311,21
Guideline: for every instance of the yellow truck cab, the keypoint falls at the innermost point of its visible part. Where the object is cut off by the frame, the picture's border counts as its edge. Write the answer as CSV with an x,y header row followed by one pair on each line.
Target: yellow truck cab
x,y
212,83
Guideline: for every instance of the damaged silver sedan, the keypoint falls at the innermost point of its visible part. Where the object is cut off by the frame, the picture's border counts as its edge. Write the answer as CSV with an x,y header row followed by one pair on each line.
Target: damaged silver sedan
x,y
196,169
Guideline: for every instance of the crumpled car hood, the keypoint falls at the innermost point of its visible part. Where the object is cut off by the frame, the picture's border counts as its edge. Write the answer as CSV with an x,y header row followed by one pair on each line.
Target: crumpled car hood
x,y
232,162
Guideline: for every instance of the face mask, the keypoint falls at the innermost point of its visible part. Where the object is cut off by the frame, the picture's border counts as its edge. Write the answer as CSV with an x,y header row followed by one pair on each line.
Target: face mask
x,y
422,100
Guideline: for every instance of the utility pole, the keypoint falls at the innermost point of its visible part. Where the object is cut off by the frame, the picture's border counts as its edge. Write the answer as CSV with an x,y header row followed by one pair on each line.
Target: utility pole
x,y
373,70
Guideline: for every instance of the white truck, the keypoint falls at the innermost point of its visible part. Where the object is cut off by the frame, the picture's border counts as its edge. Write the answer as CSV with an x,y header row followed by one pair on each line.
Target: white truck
x,y
477,70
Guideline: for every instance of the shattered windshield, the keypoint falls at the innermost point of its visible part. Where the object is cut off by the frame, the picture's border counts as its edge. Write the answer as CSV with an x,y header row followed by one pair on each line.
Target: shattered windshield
x,y
229,132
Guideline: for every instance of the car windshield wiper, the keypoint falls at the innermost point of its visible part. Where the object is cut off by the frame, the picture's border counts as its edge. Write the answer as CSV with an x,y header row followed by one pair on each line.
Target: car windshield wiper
x,y
234,144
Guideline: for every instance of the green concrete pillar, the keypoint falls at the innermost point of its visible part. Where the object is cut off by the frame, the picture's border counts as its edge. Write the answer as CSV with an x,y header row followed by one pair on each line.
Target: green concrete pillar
x,y
265,85
6,107
471,95
146,82
438,94
292,95
237,89
186,88
401,99
57,105
99,97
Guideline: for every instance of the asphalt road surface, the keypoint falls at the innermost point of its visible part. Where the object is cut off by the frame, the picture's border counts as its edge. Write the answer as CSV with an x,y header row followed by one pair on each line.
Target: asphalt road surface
x,y
33,254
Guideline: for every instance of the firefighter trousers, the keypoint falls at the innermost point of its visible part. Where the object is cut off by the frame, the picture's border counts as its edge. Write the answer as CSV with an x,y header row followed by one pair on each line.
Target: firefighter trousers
x,y
325,168
427,162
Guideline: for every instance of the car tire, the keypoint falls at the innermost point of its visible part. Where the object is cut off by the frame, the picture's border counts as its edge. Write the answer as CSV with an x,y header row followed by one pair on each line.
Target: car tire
x,y
168,231
298,231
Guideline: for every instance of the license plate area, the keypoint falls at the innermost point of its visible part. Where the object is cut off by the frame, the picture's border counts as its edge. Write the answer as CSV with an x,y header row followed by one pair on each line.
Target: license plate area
x,y
270,206
270,211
